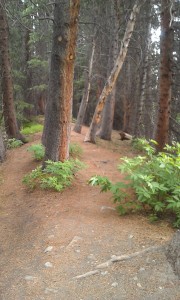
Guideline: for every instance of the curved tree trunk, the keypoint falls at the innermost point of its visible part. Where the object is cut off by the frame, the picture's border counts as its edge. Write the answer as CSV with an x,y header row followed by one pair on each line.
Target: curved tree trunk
x,y
85,98
165,81
9,113
56,136
90,137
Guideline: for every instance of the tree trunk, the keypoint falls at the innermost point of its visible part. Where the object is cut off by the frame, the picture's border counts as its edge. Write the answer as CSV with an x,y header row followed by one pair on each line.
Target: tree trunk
x,y
2,148
9,113
165,80
108,111
85,98
90,137
57,127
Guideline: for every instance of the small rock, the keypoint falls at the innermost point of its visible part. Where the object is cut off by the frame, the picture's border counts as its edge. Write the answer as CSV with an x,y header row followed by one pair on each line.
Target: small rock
x,y
141,269
48,249
51,236
160,287
114,284
29,277
78,251
130,236
47,290
139,285
135,278
104,273
103,208
91,256
48,264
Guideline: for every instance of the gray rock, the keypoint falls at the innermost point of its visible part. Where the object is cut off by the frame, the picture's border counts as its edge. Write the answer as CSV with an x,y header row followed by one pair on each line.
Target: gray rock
x,y
48,264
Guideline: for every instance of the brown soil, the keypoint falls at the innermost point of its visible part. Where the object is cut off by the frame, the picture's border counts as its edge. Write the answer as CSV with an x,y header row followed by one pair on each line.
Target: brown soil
x,y
81,232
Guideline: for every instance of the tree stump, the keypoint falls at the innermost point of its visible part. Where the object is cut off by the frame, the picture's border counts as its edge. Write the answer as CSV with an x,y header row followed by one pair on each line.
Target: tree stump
x,y
173,253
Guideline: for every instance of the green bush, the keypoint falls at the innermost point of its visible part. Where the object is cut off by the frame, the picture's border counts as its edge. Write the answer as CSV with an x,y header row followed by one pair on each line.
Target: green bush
x,y
155,179
14,143
32,128
55,176
37,150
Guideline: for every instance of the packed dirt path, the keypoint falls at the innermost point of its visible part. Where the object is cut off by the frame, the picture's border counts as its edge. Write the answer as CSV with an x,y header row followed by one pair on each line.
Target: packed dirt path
x,y
48,238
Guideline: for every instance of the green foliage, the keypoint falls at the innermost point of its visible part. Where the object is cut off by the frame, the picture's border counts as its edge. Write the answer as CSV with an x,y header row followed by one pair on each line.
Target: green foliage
x,y
155,179
14,143
55,176
31,128
36,62
75,150
37,150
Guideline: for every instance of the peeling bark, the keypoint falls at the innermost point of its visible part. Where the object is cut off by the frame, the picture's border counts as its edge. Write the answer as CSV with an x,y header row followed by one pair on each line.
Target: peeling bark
x,y
90,137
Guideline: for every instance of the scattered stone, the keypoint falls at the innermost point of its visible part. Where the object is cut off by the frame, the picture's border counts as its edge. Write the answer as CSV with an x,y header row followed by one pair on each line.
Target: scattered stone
x,y
160,287
91,256
130,236
47,290
104,273
51,236
29,277
48,249
114,284
48,264
141,269
103,208
135,278
78,251
139,285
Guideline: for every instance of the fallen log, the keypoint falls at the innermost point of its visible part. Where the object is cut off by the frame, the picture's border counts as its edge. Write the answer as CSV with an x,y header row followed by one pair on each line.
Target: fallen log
x,y
125,136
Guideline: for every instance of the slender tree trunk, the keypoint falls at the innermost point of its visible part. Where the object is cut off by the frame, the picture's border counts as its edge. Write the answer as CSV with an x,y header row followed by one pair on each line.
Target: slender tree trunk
x,y
165,80
140,126
108,111
9,113
85,98
57,127
90,137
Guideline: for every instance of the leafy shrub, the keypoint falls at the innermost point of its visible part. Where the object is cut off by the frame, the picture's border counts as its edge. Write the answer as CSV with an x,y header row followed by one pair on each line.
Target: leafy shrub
x,y
56,175
32,128
155,179
14,143
37,150
75,150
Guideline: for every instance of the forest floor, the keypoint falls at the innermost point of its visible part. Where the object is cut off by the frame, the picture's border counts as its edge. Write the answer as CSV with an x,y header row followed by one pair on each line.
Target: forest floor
x,y
48,238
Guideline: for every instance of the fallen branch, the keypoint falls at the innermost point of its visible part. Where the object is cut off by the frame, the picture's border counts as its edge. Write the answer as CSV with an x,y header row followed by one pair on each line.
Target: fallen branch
x,y
115,258
86,274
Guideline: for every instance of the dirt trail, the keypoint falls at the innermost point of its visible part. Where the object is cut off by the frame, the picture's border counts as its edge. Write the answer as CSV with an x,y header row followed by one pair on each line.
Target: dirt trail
x,y
48,238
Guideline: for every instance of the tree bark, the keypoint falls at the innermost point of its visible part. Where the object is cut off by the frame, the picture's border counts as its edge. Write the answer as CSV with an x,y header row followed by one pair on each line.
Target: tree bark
x,y
108,111
165,80
90,137
2,148
85,98
9,113
57,127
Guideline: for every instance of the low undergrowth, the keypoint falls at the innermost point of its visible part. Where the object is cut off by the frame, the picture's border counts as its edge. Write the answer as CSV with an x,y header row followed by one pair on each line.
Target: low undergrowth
x,y
38,151
55,176
31,128
14,143
154,178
